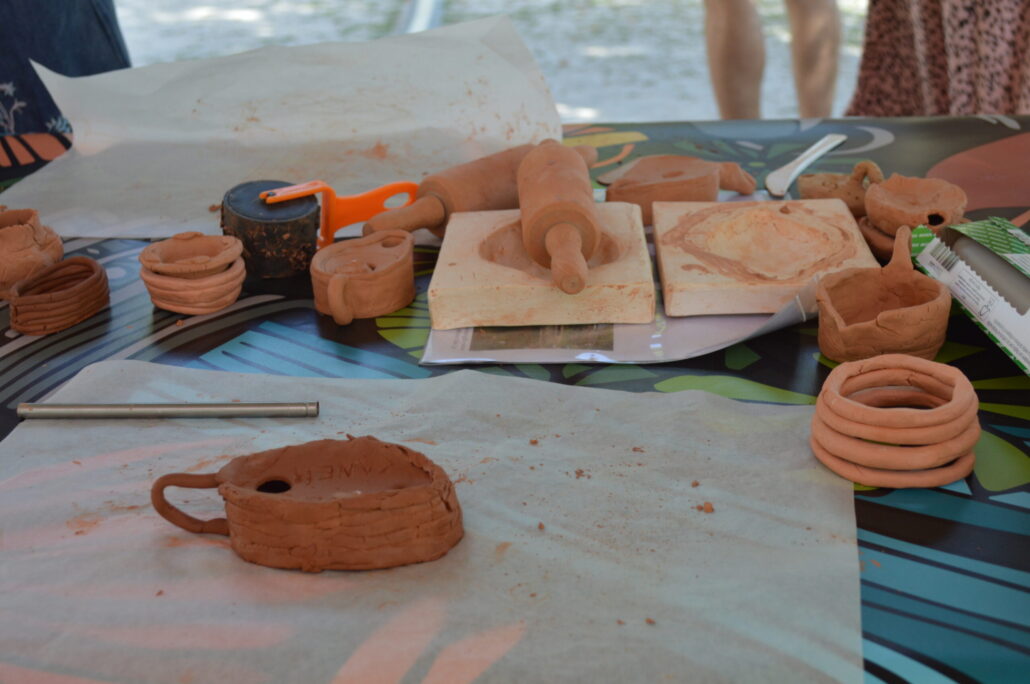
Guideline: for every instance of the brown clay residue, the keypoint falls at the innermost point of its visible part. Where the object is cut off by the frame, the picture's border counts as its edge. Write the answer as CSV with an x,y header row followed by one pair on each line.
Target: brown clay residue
x,y
638,450
650,621
205,463
500,550
695,483
534,442
377,151
540,526
84,523
708,507
214,208
582,473
421,440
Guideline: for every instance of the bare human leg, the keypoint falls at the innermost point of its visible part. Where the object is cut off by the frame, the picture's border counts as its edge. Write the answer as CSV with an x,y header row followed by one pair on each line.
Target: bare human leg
x,y
736,57
815,48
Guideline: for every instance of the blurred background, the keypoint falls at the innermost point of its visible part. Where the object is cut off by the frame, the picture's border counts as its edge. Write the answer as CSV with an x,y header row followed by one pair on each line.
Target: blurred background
x,y
605,60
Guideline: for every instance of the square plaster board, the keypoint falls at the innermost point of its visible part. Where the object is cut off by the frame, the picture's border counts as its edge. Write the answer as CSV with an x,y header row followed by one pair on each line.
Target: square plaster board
x,y
750,257
484,277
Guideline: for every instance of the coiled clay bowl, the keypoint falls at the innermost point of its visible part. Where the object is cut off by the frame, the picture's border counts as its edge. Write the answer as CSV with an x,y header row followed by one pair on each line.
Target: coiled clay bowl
x,y
191,255
193,274
59,296
364,277
353,504
26,247
892,310
848,187
896,421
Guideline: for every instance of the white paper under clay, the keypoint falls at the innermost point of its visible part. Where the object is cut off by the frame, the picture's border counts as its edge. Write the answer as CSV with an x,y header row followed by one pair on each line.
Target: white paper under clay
x,y
155,147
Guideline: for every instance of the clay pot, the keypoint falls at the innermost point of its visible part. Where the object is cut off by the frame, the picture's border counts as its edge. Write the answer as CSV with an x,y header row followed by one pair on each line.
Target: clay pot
x,y
848,187
908,201
891,310
26,247
195,296
354,504
191,255
59,296
365,277
896,421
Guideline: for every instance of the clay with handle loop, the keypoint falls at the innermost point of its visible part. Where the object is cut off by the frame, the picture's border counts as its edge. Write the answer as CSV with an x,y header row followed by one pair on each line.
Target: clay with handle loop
x,y
177,517
559,220
338,211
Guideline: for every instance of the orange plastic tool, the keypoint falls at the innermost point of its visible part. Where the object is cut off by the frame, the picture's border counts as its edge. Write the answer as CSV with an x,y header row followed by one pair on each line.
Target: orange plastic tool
x,y
338,212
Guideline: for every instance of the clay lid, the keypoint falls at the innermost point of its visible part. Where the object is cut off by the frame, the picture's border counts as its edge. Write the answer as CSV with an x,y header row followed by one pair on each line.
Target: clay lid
x,y
191,255
909,201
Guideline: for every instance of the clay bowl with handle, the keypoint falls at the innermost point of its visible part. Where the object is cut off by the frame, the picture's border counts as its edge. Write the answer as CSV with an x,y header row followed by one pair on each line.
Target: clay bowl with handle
x,y
353,504
191,255
364,277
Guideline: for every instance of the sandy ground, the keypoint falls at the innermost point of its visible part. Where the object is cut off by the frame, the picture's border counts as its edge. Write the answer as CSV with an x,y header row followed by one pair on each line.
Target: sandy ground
x,y
606,60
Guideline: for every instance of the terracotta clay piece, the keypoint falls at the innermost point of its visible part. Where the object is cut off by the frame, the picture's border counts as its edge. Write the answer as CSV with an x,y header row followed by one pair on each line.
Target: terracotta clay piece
x,y
365,277
195,274
674,178
848,187
59,296
484,184
26,247
891,310
896,421
354,504
908,201
558,213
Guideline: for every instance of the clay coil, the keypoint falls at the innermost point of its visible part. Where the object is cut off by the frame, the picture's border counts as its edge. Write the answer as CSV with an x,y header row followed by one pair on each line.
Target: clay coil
x,y
890,398
59,296
196,296
191,255
876,477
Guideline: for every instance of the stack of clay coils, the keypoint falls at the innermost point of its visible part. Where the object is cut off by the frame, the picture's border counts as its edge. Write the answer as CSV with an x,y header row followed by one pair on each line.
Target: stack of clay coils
x,y
193,274
907,201
59,296
896,421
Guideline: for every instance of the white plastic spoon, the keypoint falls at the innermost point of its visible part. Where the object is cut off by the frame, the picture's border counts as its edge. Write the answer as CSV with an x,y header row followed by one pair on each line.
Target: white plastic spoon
x,y
778,181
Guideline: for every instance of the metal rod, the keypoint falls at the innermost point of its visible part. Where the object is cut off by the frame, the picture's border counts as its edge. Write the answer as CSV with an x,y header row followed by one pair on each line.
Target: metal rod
x,y
232,410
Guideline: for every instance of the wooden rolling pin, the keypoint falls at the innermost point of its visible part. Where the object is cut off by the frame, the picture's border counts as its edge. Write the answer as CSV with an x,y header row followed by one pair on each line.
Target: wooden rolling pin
x,y
559,219
484,184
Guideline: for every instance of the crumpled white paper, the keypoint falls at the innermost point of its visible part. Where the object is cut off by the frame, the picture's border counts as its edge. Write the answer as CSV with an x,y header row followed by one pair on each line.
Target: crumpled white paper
x,y
585,558
156,147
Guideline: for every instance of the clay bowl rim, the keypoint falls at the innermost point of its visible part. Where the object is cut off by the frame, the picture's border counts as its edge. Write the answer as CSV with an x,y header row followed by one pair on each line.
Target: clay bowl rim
x,y
837,278
95,273
221,279
31,220
891,227
322,276
232,249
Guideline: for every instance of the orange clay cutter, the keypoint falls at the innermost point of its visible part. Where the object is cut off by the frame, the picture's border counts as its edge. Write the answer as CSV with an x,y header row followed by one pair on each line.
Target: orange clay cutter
x,y
338,212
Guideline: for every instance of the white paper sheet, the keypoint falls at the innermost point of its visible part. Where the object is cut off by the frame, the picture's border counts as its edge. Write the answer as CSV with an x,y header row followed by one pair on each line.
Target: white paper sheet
x,y
94,585
155,147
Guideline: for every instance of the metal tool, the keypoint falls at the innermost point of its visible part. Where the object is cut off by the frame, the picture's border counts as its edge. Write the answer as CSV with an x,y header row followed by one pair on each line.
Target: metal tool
x,y
778,181
302,409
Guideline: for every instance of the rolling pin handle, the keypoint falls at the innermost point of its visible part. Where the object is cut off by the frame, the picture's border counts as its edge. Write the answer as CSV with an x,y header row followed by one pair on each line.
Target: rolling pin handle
x,y
568,267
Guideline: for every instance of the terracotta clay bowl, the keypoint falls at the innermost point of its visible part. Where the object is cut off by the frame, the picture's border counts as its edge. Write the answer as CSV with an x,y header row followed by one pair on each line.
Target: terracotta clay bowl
x,y
353,504
191,255
365,277
909,201
896,421
850,187
891,310
196,296
26,247
59,296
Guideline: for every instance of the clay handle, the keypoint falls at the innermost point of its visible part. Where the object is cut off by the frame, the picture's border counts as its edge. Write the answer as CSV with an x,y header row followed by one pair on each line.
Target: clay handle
x,y
337,292
568,267
425,212
901,258
177,517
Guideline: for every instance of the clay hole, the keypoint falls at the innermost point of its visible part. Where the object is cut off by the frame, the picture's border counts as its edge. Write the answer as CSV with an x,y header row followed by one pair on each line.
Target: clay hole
x,y
935,219
274,486
392,241
397,200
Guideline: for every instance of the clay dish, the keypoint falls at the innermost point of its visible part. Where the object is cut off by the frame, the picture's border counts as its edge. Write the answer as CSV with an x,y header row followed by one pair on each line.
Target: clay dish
x,y
196,296
26,247
891,310
848,187
191,255
354,504
59,296
908,201
896,421
365,277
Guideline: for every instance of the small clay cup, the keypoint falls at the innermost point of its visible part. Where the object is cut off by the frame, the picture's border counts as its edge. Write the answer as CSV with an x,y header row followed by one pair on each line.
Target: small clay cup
x,y
196,296
59,296
26,247
191,255
896,421
354,504
910,201
891,310
848,187
365,277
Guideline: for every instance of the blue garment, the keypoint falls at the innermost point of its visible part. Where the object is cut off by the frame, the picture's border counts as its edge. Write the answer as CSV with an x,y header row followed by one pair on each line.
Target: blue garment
x,y
71,37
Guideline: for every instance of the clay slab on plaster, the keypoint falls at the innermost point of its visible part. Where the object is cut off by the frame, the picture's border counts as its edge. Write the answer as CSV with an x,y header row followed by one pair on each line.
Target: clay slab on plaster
x,y
484,277
750,257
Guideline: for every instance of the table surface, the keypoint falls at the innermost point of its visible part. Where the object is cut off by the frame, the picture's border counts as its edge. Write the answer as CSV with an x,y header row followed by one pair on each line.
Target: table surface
x,y
945,571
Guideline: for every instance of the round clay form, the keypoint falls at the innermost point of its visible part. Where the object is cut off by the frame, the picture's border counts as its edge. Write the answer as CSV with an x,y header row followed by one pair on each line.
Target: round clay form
x,y
195,296
365,277
26,247
354,504
59,296
191,255
848,187
892,310
896,421
909,201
